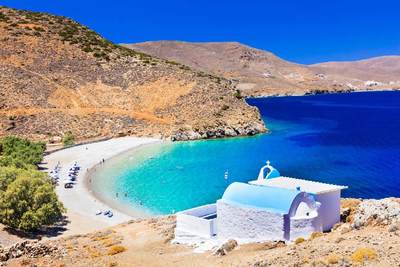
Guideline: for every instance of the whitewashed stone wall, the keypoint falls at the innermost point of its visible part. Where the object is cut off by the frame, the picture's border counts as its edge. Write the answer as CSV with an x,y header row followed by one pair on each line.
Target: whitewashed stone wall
x,y
304,227
191,221
246,224
330,209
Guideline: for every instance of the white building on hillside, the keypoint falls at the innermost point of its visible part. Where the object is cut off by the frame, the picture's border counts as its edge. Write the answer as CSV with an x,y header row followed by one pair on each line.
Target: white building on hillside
x,y
269,208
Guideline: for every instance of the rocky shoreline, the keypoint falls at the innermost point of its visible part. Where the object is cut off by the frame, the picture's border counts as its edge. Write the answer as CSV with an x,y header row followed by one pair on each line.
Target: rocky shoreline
x,y
221,132
326,92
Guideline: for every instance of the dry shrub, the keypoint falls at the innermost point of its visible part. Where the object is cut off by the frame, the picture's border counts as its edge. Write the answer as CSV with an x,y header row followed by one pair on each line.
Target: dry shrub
x,y
362,254
116,249
25,262
316,234
94,253
318,262
349,203
110,242
332,258
101,238
299,240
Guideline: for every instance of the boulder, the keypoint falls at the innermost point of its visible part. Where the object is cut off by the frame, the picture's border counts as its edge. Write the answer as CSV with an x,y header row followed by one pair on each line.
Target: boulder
x,y
226,247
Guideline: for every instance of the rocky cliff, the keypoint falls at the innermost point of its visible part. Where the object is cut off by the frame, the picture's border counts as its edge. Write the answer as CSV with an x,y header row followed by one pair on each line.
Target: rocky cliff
x,y
58,76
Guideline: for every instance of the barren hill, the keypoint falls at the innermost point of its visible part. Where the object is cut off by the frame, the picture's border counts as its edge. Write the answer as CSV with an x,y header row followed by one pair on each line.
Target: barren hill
x,y
256,71
385,69
57,76
259,72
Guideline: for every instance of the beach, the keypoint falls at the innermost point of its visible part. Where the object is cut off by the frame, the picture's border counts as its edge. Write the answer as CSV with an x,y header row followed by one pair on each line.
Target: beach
x,y
80,202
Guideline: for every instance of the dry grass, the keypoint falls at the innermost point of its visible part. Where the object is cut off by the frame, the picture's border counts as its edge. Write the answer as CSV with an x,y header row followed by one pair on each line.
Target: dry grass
x,y
363,254
332,259
316,234
93,253
299,240
116,249
110,242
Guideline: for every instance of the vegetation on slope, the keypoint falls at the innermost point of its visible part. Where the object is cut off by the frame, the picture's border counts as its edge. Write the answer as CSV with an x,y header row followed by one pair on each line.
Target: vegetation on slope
x,y
30,23
59,76
27,197
20,153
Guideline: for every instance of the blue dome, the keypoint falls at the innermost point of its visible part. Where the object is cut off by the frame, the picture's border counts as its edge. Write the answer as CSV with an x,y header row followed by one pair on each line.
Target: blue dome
x,y
275,199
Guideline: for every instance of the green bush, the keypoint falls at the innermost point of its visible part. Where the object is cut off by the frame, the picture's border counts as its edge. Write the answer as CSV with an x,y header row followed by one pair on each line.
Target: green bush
x,y
86,49
238,94
68,139
19,152
3,17
27,199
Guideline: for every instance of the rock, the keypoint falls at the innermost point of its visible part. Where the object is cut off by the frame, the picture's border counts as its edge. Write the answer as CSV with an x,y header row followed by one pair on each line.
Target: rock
x,y
344,228
339,239
55,139
336,226
393,228
273,244
344,214
226,247
383,211
261,263
27,248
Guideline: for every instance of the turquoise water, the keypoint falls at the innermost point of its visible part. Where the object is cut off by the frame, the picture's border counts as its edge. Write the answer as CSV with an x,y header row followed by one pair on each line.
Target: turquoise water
x,y
349,139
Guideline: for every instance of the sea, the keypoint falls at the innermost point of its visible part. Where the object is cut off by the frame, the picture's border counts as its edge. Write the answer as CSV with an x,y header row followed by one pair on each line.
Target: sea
x,y
350,139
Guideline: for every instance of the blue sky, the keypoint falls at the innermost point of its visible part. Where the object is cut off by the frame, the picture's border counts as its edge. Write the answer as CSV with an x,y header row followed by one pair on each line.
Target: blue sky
x,y
303,31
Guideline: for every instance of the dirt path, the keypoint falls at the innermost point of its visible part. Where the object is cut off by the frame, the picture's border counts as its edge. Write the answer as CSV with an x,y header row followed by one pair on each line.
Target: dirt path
x,y
84,111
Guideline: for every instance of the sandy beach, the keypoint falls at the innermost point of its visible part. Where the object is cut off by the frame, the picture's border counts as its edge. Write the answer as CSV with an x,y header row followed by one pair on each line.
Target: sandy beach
x,y
80,203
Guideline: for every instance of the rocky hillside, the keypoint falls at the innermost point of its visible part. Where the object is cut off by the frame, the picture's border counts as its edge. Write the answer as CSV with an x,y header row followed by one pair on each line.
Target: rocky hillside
x,y
377,71
58,76
368,235
259,72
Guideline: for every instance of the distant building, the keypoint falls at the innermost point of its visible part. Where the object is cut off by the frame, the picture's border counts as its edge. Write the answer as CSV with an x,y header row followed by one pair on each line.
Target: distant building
x,y
269,208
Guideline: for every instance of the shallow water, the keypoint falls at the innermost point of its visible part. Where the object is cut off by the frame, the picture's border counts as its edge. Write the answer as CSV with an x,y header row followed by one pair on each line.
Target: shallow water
x,y
349,139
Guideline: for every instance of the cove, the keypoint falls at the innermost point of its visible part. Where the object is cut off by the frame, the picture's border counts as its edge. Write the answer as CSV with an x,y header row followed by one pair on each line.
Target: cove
x,y
350,139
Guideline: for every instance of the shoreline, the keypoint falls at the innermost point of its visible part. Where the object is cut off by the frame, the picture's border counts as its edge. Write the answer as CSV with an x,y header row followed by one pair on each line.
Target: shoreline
x,y
112,203
325,92
80,202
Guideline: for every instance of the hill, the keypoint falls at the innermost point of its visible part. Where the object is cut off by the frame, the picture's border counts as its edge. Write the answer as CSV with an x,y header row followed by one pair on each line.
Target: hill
x,y
255,71
384,70
58,76
259,72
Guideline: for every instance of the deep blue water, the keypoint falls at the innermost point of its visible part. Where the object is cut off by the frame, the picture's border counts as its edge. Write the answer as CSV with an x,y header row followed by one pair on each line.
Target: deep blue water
x,y
349,139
